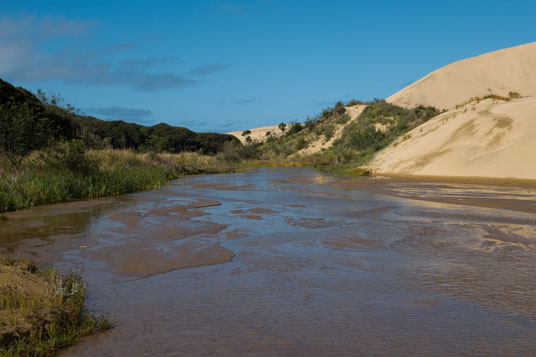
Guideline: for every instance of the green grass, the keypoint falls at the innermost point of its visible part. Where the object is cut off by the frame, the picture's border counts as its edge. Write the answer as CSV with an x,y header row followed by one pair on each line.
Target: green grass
x,y
104,173
42,310
356,171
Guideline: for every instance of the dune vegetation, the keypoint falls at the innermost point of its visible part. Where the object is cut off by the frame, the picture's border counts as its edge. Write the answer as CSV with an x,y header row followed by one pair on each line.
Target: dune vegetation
x,y
42,310
378,125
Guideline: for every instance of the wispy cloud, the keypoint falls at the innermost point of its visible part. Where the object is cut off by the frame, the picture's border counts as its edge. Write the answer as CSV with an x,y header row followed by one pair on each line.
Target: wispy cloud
x,y
186,122
147,62
228,7
44,27
120,112
54,26
22,57
231,125
247,100
191,124
207,69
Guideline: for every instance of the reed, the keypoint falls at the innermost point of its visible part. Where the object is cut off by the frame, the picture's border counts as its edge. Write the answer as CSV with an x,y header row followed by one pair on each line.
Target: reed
x,y
103,173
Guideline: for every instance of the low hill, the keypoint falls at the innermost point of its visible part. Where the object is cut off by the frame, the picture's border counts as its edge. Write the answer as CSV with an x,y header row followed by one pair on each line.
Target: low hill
x,y
487,138
115,134
499,72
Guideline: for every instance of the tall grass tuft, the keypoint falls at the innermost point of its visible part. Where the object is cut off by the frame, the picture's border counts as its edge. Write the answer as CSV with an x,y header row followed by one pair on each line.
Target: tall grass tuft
x,y
42,310
100,173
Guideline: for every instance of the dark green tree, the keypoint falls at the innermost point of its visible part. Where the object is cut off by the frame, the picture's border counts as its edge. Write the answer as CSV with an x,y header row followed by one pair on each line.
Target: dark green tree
x,y
21,131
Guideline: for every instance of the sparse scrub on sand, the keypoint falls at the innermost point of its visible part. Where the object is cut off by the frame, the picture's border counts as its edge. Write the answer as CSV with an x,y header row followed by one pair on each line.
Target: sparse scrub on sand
x,y
360,139
365,139
42,310
494,97
514,95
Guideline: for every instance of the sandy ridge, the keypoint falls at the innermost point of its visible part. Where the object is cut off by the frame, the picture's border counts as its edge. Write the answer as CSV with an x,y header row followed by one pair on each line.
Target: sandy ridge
x,y
491,140
257,134
498,72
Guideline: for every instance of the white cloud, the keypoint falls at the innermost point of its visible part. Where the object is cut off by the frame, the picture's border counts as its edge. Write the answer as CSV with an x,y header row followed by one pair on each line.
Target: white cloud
x,y
24,56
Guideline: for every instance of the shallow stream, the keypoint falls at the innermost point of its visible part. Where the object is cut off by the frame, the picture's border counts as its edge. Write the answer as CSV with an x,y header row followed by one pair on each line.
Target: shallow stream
x,y
290,261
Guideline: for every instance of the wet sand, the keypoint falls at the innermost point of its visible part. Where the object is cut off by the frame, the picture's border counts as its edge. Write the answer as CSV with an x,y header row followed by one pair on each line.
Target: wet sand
x,y
288,261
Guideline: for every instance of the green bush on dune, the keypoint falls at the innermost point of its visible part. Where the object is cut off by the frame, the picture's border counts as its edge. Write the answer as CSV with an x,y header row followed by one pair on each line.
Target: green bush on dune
x,y
379,124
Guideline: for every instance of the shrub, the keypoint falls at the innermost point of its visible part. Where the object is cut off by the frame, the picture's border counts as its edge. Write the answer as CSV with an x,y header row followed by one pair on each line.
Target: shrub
x,y
21,131
295,128
342,119
339,109
514,95
354,102
68,155
300,144
329,131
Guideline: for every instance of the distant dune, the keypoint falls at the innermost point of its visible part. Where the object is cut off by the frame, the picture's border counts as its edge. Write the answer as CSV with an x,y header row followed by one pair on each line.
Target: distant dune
x,y
493,137
488,139
499,72
257,134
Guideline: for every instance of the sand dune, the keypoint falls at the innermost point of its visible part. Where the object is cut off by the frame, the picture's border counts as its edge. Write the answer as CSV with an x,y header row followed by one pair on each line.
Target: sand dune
x,y
257,134
319,143
487,139
498,72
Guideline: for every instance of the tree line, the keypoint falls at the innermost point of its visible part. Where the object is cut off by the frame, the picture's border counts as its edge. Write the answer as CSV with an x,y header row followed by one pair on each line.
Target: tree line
x,y
29,122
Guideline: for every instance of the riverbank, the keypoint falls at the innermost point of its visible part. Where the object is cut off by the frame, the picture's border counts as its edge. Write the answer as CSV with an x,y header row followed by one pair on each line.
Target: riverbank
x,y
41,179
42,310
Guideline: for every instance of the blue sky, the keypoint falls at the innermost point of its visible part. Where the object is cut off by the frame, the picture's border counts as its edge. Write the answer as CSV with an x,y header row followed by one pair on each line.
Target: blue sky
x,y
230,65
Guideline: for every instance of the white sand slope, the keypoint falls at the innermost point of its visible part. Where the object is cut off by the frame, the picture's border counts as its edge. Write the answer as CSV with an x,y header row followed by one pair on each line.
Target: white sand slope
x,y
499,72
491,140
319,144
257,134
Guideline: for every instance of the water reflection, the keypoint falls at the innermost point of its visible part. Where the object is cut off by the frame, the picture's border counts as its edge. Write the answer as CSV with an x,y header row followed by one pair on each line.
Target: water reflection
x,y
292,261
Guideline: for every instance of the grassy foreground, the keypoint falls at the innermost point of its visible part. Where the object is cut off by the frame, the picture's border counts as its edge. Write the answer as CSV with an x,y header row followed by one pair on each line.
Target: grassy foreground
x,y
45,178
41,310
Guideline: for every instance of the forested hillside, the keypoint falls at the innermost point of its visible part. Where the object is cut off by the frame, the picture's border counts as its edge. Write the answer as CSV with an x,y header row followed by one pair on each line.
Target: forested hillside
x,y
46,114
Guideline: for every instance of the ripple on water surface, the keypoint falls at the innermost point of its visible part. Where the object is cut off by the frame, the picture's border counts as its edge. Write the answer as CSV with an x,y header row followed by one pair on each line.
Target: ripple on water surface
x,y
291,261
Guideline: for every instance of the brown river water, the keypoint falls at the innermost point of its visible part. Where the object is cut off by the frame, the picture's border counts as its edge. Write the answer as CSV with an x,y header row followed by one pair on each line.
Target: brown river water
x,y
290,261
